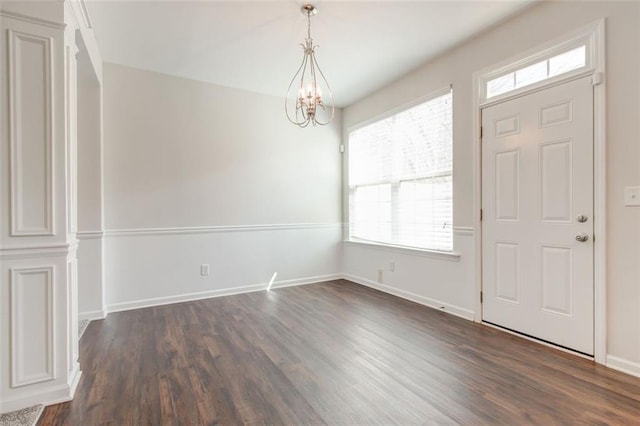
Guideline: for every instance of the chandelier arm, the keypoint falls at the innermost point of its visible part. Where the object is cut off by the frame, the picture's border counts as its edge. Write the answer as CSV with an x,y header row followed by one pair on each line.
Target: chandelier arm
x,y
286,99
304,105
314,82
333,108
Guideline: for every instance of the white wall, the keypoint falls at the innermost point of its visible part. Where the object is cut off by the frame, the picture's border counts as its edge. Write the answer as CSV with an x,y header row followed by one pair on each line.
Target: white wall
x,y
441,283
181,154
537,25
91,288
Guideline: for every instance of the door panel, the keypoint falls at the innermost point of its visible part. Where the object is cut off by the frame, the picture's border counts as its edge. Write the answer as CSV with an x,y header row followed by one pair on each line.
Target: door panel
x,y
556,188
537,177
507,184
508,272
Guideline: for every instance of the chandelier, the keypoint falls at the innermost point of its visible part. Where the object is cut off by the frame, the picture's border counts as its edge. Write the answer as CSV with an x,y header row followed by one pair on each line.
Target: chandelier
x,y
307,85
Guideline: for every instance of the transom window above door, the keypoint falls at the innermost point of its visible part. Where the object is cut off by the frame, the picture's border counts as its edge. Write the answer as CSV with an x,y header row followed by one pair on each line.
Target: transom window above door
x,y
559,64
573,56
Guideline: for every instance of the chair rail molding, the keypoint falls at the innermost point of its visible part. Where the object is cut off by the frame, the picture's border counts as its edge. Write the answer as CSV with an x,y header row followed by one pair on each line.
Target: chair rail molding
x,y
206,229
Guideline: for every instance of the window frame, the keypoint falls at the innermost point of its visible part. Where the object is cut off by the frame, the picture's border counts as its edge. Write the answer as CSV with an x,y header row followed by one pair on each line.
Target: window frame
x,y
582,38
452,254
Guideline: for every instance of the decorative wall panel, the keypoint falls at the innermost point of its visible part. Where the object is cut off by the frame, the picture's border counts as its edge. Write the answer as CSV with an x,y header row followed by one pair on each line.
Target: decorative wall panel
x,y
32,325
30,133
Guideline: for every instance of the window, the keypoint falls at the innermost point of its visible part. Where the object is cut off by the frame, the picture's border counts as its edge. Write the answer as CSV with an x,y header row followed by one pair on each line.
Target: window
x,y
400,178
562,63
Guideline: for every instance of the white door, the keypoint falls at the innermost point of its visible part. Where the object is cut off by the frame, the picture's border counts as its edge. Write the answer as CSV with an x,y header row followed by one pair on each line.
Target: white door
x,y
537,201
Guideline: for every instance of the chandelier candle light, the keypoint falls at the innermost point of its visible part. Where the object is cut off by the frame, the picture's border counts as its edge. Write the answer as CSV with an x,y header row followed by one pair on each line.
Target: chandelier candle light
x,y
306,84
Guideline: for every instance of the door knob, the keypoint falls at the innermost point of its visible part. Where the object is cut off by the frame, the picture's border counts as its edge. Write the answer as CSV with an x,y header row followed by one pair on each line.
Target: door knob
x,y
582,237
582,218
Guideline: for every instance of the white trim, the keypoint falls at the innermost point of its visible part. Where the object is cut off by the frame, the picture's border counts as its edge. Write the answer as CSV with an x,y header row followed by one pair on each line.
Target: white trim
x,y
77,11
167,300
596,31
600,198
442,255
32,20
466,231
49,396
400,108
89,235
85,14
476,148
431,303
623,365
38,250
72,382
216,229
93,315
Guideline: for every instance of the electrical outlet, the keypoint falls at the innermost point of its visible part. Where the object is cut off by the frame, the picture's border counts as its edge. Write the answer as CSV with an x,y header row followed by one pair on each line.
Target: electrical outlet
x,y
392,265
632,196
204,269
380,272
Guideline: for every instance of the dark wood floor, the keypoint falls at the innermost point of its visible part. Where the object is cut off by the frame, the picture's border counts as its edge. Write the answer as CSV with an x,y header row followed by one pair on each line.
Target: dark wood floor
x,y
329,353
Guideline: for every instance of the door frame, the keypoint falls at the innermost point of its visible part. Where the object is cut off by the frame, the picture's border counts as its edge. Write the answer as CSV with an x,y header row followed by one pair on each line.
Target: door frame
x,y
594,35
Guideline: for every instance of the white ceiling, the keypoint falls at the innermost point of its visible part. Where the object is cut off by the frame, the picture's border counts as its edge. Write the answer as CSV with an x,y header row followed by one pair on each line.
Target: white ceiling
x,y
255,45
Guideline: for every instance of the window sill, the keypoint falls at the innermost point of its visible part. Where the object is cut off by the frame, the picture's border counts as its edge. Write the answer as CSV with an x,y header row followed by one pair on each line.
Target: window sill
x,y
451,256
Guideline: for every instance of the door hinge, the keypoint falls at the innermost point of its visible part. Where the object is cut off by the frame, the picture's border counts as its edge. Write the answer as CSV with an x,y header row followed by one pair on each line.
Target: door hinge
x,y
597,78
341,148
481,297
481,214
481,131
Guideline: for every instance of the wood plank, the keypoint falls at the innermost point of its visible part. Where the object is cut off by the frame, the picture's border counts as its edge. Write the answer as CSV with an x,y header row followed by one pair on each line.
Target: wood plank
x,y
332,352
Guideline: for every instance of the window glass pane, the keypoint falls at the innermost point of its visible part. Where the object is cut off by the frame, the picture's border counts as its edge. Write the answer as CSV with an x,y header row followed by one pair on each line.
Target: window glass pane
x,y
372,146
501,85
559,64
568,61
400,178
372,212
420,132
531,74
426,211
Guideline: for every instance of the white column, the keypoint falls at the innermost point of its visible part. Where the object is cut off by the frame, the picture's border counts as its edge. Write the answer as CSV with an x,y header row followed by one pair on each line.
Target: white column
x,y
38,266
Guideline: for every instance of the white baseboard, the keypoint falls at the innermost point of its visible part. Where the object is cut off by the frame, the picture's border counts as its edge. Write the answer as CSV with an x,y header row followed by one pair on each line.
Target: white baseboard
x,y
426,301
623,365
158,301
92,315
307,280
48,396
